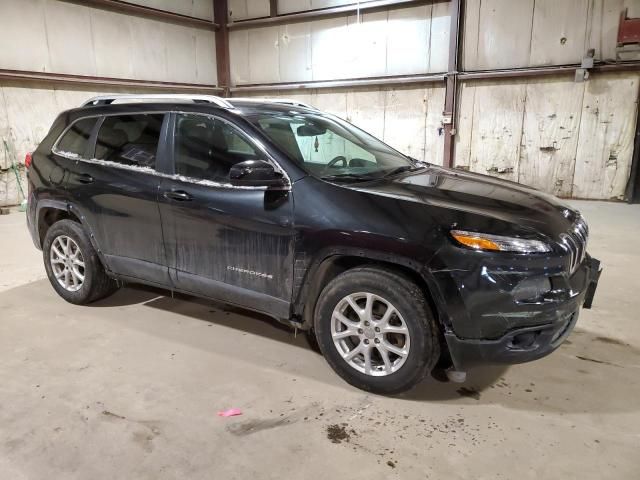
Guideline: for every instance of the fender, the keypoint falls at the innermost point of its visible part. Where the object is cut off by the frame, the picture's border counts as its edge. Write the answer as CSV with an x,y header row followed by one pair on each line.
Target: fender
x,y
68,207
306,288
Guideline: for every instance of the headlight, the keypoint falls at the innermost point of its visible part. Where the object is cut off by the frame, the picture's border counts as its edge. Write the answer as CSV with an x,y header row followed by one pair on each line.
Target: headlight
x,y
498,243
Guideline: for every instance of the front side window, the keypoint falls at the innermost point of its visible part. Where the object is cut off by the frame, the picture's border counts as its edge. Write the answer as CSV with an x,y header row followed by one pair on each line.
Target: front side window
x,y
206,148
76,139
329,147
130,140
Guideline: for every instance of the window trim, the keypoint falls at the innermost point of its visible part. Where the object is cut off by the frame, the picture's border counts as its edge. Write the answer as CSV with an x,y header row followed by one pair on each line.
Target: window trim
x,y
166,143
252,141
96,124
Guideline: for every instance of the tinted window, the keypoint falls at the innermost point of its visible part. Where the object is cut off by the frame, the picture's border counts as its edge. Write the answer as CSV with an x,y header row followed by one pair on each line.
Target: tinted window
x,y
130,139
206,148
77,137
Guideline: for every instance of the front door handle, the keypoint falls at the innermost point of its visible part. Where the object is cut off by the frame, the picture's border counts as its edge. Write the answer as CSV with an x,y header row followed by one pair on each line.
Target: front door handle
x,y
177,195
85,178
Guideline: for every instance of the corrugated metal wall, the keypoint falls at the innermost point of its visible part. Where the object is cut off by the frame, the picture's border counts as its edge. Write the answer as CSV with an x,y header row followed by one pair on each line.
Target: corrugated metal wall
x,y
60,37
571,139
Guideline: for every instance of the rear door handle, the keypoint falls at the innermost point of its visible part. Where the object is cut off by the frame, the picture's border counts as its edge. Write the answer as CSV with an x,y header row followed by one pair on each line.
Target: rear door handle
x,y
85,178
177,195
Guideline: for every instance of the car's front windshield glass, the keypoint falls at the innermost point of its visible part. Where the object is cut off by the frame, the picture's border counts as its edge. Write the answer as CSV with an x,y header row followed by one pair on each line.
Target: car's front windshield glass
x,y
330,148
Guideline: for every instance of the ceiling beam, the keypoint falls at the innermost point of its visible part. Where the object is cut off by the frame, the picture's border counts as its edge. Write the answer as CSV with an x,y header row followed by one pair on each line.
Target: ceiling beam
x,y
84,80
129,8
327,12
352,82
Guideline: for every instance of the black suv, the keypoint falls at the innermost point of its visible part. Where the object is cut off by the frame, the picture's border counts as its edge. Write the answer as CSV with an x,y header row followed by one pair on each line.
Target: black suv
x,y
392,264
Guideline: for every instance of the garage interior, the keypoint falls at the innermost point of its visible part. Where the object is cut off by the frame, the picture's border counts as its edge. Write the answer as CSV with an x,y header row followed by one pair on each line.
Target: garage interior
x,y
540,92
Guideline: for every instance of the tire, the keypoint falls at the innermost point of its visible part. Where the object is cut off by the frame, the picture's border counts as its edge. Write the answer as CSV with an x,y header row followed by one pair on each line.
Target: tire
x,y
385,289
95,284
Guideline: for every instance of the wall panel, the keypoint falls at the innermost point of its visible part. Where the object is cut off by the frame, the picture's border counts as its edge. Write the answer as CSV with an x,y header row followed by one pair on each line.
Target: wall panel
x,y
330,49
27,111
559,32
18,50
408,40
439,38
550,134
566,138
523,33
400,41
192,8
407,118
69,38
112,40
295,52
291,6
264,65
607,132
73,39
246,9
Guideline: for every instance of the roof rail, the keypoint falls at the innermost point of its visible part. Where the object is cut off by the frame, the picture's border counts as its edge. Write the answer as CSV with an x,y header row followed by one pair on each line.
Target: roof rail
x,y
162,98
283,101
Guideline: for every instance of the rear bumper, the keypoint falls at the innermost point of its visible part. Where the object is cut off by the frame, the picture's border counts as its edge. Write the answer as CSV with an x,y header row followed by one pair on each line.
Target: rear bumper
x,y
528,343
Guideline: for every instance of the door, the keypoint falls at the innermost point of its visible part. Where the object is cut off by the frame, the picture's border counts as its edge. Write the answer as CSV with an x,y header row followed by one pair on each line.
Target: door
x,y
116,187
233,244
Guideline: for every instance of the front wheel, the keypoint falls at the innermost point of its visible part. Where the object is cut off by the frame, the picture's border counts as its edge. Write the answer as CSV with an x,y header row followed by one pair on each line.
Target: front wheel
x,y
376,330
73,266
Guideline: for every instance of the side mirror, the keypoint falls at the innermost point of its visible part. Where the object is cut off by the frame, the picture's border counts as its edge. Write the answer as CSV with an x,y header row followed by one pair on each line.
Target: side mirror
x,y
257,173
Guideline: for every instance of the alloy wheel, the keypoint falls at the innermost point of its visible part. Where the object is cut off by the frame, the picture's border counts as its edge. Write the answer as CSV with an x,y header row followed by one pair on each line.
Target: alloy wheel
x,y
67,263
370,334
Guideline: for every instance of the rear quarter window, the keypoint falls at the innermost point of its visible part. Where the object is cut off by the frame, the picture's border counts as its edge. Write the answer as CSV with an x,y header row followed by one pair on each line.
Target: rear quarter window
x,y
76,139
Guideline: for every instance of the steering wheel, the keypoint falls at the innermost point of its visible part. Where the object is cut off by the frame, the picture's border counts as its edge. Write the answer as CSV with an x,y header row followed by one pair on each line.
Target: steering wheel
x,y
333,162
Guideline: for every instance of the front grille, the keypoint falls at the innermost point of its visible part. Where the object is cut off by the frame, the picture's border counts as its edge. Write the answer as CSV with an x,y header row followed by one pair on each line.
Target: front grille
x,y
574,242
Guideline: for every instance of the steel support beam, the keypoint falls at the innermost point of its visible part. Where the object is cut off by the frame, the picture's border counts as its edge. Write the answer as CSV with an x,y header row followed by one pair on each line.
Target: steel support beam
x,y
63,78
436,77
327,12
353,82
220,14
632,192
449,114
146,12
543,71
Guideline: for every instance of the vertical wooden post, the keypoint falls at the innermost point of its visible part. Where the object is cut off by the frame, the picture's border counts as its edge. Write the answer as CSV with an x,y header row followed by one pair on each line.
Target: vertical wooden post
x,y
222,45
449,114
273,8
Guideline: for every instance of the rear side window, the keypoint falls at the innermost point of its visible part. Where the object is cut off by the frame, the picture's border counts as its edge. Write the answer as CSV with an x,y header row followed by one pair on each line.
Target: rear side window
x,y
130,140
76,139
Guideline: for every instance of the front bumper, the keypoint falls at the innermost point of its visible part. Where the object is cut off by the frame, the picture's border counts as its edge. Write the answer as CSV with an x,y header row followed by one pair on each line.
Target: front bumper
x,y
527,343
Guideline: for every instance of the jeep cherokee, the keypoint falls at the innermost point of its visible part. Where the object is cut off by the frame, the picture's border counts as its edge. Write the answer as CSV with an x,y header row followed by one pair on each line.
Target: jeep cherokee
x,y
391,263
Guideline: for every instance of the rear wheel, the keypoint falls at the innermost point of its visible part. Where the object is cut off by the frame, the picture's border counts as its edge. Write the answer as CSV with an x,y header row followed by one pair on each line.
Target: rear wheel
x,y
376,330
73,266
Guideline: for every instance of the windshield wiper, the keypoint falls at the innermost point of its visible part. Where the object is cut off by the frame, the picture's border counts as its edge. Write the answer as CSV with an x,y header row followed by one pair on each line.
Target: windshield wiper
x,y
349,177
404,168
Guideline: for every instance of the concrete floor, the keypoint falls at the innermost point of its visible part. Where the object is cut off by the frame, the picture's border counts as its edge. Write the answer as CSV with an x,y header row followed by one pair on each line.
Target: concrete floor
x,y
129,388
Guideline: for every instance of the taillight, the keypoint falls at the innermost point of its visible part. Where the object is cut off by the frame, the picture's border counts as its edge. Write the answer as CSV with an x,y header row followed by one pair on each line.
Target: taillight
x,y
28,158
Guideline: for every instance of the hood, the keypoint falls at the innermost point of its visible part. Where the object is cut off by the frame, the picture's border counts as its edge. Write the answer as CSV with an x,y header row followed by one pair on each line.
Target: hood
x,y
488,197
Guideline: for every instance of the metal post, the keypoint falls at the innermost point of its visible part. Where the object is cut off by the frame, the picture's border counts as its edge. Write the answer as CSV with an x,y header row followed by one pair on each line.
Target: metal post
x,y
632,192
222,45
449,114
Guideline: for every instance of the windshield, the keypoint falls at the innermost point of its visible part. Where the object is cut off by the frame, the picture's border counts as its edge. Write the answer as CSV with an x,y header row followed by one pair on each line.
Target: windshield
x,y
330,148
